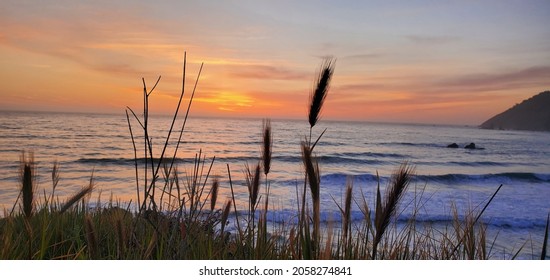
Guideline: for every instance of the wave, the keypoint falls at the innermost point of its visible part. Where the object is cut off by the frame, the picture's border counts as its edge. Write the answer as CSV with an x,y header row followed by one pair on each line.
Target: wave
x,y
478,163
127,161
333,144
371,154
347,160
339,179
335,178
219,142
9,127
344,158
501,222
498,177
237,159
410,144
332,216
130,161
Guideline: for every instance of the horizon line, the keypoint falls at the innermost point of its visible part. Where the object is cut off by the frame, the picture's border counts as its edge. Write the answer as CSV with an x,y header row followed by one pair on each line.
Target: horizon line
x,y
203,116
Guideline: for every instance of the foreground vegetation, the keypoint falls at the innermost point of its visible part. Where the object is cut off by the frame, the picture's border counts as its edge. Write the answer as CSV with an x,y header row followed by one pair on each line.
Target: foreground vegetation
x,y
174,218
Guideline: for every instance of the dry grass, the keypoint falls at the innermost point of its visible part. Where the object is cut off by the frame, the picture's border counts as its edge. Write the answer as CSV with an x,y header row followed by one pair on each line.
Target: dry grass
x,y
214,194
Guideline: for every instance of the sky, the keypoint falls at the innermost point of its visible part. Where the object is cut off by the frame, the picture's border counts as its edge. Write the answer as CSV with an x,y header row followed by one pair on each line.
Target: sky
x,y
438,62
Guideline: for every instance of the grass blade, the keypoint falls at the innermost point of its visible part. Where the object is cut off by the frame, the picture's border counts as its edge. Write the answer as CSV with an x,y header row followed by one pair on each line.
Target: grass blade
x,y
545,242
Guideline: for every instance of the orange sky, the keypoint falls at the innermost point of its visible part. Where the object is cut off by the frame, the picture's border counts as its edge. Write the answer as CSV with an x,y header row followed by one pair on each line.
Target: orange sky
x,y
454,62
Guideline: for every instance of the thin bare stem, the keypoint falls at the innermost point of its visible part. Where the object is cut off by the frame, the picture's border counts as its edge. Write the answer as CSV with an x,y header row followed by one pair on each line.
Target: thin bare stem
x,y
186,117
174,117
234,202
314,178
461,241
135,156
545,242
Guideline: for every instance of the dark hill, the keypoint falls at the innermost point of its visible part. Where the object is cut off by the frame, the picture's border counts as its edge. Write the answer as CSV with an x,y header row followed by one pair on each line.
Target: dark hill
x,y
531,114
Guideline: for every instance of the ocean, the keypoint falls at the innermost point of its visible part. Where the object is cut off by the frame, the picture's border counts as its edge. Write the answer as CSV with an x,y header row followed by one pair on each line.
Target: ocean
x,y
363,153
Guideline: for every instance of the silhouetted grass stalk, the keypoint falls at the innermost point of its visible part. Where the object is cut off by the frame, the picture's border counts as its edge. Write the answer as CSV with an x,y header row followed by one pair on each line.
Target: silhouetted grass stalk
x,y
545,242
317,98
253,183
150,185
346,221
385,210
314,179
27,183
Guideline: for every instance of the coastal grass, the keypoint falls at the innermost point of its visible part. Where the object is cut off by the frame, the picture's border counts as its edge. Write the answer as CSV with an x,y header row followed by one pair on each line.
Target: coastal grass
x,y
178,215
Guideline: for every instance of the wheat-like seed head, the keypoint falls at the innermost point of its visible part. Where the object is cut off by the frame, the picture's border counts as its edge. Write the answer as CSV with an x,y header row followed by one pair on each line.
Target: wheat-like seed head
x,y
317,98
347,210
253,183
384,211
27,182
214,194
267,145
77,197
312,171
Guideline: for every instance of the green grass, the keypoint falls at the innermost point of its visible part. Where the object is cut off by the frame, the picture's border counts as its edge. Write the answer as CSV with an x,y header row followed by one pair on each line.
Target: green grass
x,y
181,218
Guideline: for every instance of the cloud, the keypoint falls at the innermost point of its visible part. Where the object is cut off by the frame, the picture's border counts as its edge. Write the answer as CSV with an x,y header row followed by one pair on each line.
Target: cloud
x,y
363,56
432,40
267,72
528,77
118,42
444,87
361,93
442,92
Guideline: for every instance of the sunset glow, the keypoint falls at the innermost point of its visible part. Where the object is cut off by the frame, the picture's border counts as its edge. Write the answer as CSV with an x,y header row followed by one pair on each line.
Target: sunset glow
x,y
450,62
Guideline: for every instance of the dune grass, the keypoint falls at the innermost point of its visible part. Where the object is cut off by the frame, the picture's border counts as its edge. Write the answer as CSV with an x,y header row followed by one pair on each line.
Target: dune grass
x,y
182,218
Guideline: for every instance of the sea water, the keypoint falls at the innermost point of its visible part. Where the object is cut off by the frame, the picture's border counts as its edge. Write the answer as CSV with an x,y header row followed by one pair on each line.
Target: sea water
x,y
365,154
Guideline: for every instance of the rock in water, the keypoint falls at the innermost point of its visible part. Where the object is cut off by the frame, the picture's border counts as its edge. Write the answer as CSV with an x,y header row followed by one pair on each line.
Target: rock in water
x,y
453,145
470,146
